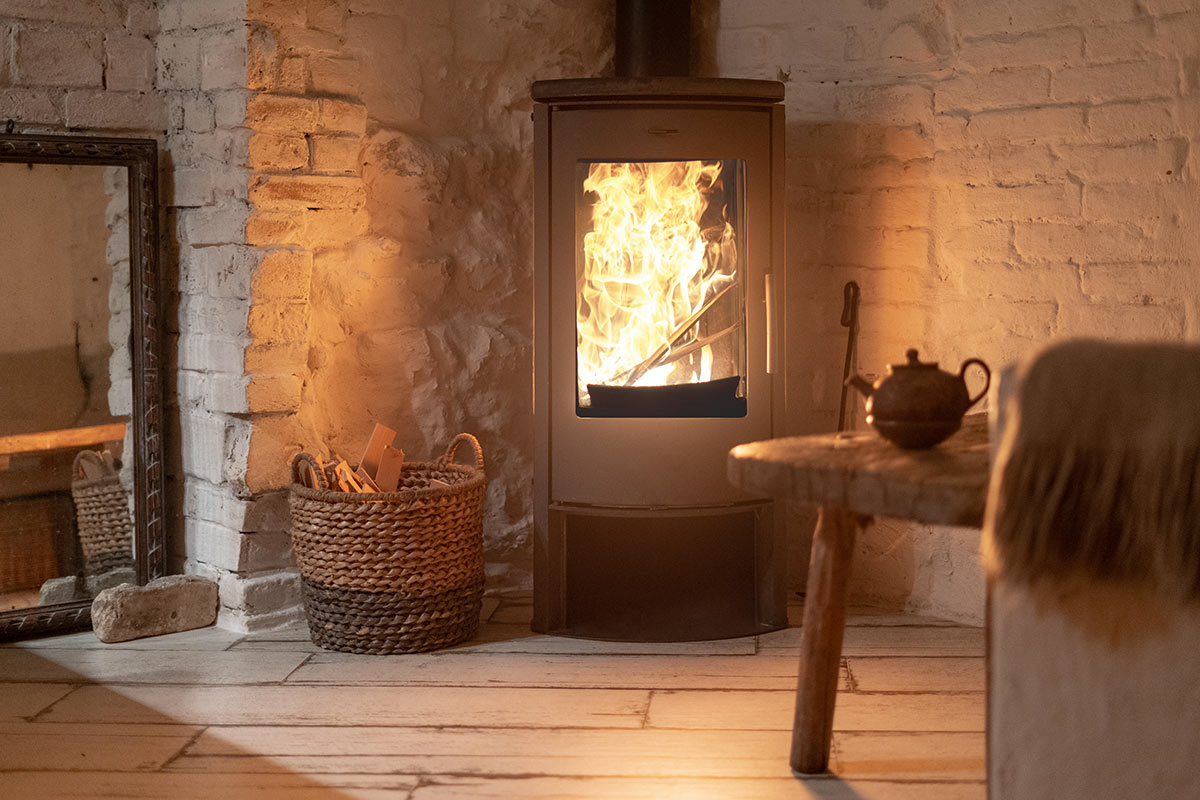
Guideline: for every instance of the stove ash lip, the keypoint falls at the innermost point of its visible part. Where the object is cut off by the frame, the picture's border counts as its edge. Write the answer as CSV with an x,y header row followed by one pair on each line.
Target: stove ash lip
x,y
657,89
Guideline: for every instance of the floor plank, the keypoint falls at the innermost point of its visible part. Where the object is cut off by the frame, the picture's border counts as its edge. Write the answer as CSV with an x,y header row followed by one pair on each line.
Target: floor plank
x,y
479,751
526,669
770,710
21,700
36,746
910,756
733,789
210,638
363,705
71,665
890,640
931,674
271,784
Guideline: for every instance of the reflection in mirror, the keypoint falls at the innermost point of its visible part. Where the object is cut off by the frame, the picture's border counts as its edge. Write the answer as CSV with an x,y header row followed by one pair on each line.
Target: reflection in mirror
x,y
66,401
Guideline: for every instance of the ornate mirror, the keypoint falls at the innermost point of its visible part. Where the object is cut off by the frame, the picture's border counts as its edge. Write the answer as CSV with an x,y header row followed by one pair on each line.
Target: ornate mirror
x,y
81,417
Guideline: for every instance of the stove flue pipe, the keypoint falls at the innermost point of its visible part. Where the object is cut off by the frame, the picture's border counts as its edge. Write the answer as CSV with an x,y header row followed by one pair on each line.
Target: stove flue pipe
x,y
653,38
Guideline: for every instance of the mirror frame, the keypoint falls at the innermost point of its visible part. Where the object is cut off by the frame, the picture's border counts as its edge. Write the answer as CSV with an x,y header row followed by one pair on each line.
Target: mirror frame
x,y
140,157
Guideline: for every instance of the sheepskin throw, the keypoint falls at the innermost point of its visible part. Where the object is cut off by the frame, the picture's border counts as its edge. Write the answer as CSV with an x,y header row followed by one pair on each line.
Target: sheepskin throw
x,y
1098,471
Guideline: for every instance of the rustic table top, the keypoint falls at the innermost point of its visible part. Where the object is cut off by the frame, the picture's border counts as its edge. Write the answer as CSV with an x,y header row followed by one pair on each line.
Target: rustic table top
x,y
862,472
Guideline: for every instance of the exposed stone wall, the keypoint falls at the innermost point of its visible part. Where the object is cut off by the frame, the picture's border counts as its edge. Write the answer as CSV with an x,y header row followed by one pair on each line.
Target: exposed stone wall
x,y
391,208
994,175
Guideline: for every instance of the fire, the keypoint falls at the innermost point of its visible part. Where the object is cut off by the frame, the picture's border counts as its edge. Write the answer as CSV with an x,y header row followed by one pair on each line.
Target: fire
x,y
649,271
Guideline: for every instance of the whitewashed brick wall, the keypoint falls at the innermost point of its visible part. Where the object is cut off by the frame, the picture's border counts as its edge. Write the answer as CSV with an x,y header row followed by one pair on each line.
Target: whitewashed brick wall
x,y
995,174
391,207
349,211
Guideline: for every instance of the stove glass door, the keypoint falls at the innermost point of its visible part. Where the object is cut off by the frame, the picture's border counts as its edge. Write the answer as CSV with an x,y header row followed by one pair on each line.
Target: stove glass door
x,y
660,302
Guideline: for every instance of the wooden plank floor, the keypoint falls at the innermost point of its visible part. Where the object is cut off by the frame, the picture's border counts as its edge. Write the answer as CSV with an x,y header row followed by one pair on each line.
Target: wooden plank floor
x,y
212,713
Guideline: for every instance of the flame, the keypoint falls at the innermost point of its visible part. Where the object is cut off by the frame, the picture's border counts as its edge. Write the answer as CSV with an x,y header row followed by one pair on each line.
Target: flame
x,y
647,267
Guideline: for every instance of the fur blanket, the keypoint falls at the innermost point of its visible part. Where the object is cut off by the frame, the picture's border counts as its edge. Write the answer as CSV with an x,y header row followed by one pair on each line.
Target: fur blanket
x,y
1098,471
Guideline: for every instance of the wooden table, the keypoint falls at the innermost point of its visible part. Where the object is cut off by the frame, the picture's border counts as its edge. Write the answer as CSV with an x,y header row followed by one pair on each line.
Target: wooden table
x,y
852,477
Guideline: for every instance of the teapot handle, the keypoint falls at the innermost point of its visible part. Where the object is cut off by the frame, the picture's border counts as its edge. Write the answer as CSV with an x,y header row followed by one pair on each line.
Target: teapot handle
x,y
987,378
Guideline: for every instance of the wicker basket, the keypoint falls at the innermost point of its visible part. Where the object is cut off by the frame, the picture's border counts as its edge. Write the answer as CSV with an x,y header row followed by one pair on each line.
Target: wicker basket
x,y
102,517
393,572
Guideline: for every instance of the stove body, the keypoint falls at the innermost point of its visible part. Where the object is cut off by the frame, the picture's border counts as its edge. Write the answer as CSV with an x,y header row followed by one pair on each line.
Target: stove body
x,y
638,534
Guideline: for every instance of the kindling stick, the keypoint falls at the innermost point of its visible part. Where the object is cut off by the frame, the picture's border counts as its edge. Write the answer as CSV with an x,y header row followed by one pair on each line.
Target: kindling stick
x,y
633,375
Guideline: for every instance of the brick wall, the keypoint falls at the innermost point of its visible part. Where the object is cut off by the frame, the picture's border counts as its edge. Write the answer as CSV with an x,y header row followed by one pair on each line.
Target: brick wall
x,y
994,175
349,217
105,86
391,214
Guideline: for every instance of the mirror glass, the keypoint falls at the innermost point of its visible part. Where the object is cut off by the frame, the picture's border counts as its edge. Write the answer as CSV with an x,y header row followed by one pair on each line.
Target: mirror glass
x,y
67,484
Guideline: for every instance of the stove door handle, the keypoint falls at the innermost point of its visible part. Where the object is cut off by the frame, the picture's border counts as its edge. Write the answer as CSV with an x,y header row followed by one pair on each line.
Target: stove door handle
x,y
772,321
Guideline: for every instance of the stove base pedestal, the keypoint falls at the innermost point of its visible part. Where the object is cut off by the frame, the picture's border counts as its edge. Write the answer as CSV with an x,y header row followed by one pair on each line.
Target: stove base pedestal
x,y
661,575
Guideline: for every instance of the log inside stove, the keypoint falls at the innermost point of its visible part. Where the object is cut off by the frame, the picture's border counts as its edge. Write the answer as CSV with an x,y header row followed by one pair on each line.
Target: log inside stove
x,y
715,398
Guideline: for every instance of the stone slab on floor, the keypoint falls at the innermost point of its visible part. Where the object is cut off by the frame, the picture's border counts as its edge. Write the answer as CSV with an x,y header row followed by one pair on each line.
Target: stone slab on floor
x,y
165,605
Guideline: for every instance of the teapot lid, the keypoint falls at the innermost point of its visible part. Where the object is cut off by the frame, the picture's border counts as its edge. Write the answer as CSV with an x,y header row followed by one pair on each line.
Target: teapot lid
x,y
913,362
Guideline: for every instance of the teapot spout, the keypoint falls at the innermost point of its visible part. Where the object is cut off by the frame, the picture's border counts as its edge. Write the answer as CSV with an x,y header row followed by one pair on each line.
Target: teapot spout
x,y
860,383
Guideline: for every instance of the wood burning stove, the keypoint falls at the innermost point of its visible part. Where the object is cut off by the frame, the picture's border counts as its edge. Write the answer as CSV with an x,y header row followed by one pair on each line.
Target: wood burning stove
x,y
658,347
657,343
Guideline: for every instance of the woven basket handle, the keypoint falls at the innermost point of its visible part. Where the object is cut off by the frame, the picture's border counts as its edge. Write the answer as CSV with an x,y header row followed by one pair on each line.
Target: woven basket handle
x,y
464,437
82,456
303,460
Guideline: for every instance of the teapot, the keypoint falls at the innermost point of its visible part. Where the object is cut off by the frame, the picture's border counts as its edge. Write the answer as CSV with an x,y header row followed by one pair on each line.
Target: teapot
x,y
918,405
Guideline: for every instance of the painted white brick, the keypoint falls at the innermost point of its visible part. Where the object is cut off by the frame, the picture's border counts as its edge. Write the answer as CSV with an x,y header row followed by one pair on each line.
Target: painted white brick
x,y
191,187
1019,16
229,107
1138,161
213,545
901,106
1026,126
1132,80
129,63
1024,282
88,108
198,116
39,58
226,392
224,318
1061,47
1127,41
988,91
1125,321
262,593
765,13
203,444
1138,282
191,387
212,225
1023,202
178,61
1138,201
223,60
191,14
971,241
68,12
228,268
1002,162
1082,241
33,106
198,351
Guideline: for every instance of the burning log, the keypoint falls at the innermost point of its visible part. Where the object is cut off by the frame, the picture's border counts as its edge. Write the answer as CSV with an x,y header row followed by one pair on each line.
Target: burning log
x,y
664,353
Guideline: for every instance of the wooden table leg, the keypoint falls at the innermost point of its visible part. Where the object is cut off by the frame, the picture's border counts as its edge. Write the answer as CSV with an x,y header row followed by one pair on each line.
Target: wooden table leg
x,y
821,638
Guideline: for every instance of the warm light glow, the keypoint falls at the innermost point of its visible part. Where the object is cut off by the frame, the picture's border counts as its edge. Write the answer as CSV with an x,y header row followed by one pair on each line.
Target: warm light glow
x,y
656,257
